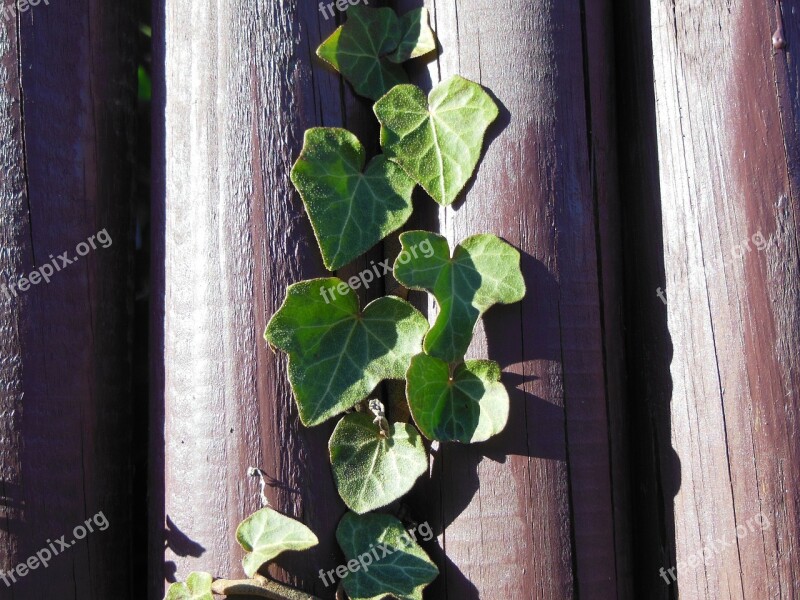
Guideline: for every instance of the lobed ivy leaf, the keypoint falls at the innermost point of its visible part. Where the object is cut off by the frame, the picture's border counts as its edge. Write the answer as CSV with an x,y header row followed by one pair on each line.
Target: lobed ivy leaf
x,y
267,533
467,404
402,573
483,271
196,587
350,210
337,353
371,469
417,37
359,50
437,140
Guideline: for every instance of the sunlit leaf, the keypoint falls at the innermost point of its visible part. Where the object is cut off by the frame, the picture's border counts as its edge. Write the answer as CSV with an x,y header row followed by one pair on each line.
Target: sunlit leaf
x,y
437,140
466,403
359,48
482,271
417,37
401,570
351,209
266,533
371,469
196,587
337,353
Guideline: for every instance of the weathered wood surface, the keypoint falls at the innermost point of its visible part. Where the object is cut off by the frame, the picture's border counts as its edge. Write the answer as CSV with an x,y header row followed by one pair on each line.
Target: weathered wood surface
x,y
535,513
241,86
727,121
67,88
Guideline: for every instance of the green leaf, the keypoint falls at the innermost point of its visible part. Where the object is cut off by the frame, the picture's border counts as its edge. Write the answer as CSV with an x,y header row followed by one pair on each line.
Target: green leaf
x,y
467,404
337,354
359,48
403,573
267,533
197,587
437,140
371,469
417,37
483,271
350,210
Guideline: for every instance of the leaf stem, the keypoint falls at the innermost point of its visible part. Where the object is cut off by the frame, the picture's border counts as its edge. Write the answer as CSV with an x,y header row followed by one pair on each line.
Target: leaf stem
x,y
258,587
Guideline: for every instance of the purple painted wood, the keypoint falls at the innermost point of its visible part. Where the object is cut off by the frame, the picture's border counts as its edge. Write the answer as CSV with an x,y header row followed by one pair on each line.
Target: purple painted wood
x,y
68,88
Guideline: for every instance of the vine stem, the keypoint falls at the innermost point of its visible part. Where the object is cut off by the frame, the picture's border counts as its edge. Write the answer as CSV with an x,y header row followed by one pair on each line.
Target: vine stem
x,y
258,587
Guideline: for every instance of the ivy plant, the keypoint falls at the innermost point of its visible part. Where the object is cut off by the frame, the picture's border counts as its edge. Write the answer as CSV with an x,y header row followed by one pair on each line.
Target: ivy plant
x,y
437,139
339,353
402,569
264,535
368,48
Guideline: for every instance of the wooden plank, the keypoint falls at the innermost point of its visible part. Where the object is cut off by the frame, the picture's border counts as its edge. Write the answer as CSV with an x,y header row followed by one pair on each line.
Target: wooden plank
x,y
67,97
240,88
528,515
531,514
727,133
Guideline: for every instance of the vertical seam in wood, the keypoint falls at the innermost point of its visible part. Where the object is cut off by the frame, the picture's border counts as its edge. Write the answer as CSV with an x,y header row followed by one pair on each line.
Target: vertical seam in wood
x,y
23,133
568,463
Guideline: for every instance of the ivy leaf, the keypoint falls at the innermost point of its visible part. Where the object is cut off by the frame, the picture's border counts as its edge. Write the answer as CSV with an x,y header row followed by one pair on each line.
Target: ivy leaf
x,y
483,271
437,140
359,48
350,210
338,354
197,587
417,38
467,404
402,569
267,533
372,470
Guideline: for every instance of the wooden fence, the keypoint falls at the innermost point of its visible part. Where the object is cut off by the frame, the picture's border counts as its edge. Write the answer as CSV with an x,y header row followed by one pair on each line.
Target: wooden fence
x,y
645,164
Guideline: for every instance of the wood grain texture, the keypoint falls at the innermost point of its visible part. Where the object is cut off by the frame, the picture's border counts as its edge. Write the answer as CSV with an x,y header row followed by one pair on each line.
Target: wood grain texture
x,y
241,85
68,88
727,105
535,513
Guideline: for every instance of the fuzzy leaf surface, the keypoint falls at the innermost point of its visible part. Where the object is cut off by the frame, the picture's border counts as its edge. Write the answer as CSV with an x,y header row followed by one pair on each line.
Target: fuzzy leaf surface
x,y
417,37
359,50
469,406
372,470
196,587
267,533
351,209
337,353
437,140
482,271
402,574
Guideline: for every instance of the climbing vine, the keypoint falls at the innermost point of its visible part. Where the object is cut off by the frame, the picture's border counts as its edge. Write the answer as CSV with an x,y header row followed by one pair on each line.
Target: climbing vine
x,y
339,352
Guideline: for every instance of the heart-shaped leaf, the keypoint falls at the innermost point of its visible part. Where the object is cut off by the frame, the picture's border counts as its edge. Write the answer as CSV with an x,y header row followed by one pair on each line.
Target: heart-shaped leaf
x,y
483,271
359,49
466,403
350,210
266,533
417,38
390,561
372,469
197,587
338,354
437,140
